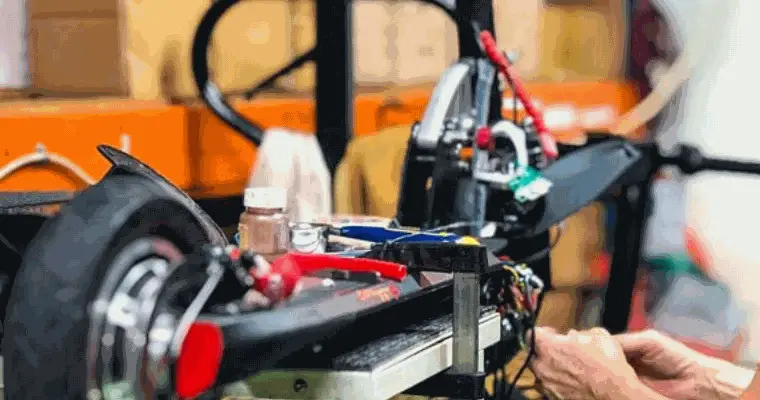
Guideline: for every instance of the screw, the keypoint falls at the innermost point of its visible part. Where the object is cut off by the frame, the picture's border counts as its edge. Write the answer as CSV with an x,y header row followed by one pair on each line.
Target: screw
x,y
94,394
300,385
513,56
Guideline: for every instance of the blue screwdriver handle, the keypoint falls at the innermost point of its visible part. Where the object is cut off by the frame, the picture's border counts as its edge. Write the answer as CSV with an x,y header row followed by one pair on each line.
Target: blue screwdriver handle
x,y
377,234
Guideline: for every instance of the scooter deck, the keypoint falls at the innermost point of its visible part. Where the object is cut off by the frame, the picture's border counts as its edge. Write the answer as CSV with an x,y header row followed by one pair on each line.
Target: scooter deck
x,y
377,370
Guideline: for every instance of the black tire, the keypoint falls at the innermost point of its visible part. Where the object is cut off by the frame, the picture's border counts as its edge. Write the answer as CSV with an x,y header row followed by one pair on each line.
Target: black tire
x,y
47,318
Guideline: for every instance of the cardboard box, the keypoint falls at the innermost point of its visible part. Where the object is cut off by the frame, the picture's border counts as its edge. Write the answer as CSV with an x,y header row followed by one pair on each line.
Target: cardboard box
x,y
11,94
157,47
583,42
423,34
251,41
72,8
373,42
304,38
76,55
394,42
518,24
142,48
129,47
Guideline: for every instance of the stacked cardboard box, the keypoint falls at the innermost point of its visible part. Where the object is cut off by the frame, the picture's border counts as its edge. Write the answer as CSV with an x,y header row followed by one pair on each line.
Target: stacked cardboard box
x,y
564,40
142,48
395,42
407,42
372,41
583,40
252,41
75,46
425,42
156,40
303,40
517,24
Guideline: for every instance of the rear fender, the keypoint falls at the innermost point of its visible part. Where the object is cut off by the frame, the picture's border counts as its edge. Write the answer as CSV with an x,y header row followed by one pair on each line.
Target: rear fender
x,y
123,163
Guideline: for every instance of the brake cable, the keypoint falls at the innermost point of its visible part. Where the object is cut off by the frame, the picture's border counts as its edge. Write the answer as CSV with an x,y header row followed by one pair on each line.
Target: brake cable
x,y
548,144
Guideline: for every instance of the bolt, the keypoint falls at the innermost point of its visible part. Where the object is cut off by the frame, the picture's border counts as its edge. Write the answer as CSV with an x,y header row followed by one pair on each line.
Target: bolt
x,y
93,394
300,385
467,124
633,193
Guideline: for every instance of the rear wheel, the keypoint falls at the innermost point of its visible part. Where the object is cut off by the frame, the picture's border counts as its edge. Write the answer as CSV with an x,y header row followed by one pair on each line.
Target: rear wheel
x,y
87,287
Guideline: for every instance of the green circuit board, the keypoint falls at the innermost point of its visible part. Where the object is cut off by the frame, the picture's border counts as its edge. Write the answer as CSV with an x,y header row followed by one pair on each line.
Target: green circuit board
x,y
530,185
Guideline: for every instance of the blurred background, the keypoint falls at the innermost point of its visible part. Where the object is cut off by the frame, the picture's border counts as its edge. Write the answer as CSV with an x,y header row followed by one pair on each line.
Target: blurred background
x,y
77,73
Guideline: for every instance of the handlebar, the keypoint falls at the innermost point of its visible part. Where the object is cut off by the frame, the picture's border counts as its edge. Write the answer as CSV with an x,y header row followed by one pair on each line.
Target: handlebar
x,y
209,91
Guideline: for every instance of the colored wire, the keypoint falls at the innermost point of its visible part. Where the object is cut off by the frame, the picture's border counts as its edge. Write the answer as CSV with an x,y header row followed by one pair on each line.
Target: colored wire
x,y
545,252
548,144
531,347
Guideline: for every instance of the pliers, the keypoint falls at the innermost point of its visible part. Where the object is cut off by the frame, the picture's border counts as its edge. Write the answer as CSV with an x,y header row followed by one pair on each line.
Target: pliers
x,y
280,279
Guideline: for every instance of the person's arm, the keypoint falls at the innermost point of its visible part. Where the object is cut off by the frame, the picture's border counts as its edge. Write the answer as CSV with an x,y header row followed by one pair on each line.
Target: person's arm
x,y
729,381
636,391
753,391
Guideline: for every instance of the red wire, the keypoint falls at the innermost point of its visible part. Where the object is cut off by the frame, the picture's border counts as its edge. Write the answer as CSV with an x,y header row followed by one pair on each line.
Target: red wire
x,y
548,144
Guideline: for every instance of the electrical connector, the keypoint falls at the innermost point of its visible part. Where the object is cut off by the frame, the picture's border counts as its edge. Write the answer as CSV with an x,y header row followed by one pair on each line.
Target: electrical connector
x,y
530,186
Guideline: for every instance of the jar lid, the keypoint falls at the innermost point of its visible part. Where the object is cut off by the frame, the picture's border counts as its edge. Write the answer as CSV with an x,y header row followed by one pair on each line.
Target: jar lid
x,y
265,197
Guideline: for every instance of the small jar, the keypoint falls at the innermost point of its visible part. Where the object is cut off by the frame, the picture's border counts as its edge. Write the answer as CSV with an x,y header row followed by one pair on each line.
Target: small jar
x,y
264,227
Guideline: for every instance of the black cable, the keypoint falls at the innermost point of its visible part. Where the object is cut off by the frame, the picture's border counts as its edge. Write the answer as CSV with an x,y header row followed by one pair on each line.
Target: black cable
x,y
542,253
451,13
210,93
514,107
296,63
531,347
4,240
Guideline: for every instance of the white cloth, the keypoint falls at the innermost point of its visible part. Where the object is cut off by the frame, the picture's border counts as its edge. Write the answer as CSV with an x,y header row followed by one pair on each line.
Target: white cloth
x,y
718,116
13,65
294,161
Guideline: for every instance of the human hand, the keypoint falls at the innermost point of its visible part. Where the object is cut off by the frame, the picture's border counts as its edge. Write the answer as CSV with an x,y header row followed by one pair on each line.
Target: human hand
x,y
664,364
583,365
678,372
753,391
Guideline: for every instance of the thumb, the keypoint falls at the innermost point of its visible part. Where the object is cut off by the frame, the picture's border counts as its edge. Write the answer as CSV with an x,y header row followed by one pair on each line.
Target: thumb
x,y
543,337
638,344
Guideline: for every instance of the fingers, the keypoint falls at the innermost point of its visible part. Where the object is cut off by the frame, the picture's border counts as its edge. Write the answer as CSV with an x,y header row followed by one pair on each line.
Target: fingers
x,y
546,339
542,331
542,337
639,343
548,329
540,369
599,332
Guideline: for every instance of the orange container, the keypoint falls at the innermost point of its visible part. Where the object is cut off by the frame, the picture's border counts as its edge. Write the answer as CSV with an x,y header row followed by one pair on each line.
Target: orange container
x,y
200,154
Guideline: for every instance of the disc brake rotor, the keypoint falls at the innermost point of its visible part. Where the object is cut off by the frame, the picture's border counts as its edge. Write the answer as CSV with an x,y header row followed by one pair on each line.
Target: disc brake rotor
x,y
122,318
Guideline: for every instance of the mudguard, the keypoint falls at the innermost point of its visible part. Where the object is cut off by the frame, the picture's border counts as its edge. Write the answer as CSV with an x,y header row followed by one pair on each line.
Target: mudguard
x,y
122,163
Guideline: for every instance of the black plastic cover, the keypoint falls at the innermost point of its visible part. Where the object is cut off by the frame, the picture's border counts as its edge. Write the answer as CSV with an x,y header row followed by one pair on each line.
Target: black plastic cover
x,y
435,257
12,201
123,162
582,176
